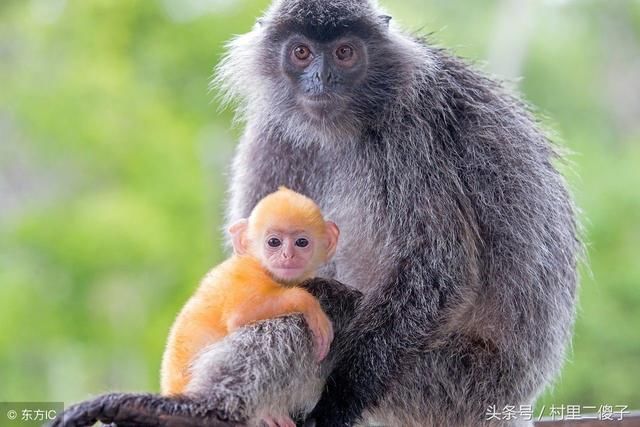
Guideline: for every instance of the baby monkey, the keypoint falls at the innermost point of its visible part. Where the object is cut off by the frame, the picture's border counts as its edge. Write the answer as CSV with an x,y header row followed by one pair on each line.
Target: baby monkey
x,y
281,244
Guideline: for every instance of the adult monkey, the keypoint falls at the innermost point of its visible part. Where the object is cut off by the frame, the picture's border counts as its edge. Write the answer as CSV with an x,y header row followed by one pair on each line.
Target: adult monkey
x,y
455,224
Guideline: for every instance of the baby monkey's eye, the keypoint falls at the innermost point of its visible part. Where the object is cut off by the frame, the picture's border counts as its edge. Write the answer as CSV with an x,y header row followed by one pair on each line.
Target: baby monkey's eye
x,y
302,243
273,242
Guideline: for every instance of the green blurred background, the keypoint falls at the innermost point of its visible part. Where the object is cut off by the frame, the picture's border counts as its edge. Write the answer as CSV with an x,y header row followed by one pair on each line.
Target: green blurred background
x,y
113,156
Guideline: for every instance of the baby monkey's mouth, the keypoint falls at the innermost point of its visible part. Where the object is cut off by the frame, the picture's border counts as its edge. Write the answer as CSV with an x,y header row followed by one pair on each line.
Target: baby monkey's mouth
x,y
291,266
288,273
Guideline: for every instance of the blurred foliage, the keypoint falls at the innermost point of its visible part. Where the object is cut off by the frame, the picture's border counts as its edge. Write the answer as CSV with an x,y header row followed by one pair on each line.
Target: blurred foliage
x,y
113,154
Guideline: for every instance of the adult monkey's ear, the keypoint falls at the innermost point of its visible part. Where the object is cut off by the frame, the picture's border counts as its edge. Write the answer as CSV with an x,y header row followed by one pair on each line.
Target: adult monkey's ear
x,y
332,232
238,231
385,19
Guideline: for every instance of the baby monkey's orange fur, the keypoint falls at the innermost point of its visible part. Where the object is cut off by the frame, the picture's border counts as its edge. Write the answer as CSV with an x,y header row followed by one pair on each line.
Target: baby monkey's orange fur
x,y
256,283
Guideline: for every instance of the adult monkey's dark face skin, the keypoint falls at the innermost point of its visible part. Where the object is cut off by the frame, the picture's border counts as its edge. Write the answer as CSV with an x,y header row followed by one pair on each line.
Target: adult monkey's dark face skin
x,y
324,73
333,68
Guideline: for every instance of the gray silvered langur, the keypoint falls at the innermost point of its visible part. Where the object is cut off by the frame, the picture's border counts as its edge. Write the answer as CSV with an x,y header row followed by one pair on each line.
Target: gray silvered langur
x,y
456,226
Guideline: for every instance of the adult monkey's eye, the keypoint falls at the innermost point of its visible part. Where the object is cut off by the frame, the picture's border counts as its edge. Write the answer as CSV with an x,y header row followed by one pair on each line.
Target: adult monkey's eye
x,y
301,52
344,52
302,242
274,243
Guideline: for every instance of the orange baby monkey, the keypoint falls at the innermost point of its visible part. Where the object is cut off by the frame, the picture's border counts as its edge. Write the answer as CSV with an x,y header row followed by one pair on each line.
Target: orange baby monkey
x,y
282,243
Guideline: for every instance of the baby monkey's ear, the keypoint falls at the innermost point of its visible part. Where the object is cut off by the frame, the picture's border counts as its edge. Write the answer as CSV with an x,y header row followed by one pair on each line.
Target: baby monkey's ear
x,y
333,232
238,231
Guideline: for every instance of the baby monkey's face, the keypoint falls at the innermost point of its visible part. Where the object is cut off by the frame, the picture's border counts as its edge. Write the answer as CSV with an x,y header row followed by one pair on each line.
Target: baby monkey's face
x,y
289,254
287,233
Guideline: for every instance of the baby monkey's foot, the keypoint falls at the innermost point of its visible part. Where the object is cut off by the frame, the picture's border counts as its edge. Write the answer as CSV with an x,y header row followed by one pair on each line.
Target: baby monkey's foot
x,y
281,421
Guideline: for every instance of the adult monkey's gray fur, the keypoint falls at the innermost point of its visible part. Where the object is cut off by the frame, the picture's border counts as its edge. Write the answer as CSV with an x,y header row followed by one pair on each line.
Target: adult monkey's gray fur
x,y
455,224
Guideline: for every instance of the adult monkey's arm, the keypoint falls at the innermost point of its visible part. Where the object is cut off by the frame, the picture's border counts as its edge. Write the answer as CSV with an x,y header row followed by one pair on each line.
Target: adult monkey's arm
x,y
390,328
260,362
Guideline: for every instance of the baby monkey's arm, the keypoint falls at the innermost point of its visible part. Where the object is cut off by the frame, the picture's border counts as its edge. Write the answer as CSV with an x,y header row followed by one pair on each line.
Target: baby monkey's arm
x,y
284,301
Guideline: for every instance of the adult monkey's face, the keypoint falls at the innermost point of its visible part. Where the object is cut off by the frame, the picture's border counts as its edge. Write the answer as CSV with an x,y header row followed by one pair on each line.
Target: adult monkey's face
x,y
323,74
316,71
330,56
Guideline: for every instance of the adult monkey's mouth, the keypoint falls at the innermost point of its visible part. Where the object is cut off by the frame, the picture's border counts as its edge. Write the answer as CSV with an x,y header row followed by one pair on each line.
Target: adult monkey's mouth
x,y
321,106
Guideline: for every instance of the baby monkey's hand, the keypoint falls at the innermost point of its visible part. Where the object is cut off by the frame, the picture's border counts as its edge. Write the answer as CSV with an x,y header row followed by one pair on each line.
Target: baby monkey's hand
x,y
318,322
282,421
322,330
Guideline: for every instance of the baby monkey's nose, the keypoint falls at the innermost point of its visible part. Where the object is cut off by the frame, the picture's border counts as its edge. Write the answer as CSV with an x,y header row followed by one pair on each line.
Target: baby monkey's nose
x,y
287,250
